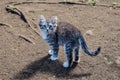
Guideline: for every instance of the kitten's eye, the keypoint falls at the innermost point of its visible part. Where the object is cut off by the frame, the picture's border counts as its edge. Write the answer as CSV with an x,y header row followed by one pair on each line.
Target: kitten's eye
x,y
50,27
42,26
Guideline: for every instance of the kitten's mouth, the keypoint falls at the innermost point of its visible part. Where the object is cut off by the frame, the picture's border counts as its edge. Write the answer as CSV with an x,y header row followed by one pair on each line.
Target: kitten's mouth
x,y
49,32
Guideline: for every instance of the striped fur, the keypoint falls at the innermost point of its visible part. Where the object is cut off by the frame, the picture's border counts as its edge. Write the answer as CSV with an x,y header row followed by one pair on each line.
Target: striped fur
x,y
63,34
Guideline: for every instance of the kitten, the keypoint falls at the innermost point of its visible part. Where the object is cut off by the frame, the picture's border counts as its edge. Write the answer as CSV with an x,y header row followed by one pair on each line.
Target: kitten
x,y
63,34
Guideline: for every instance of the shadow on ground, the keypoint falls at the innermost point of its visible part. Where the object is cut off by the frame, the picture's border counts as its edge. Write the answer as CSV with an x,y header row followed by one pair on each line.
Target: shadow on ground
x,y
47,66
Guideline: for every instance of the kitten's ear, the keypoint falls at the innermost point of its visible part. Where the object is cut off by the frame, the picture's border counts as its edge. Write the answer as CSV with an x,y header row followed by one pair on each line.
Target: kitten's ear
x,y
42,19
54,20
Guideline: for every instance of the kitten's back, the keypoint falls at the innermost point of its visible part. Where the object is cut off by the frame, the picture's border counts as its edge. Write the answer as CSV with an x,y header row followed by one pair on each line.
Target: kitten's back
x,y
67,32
66,26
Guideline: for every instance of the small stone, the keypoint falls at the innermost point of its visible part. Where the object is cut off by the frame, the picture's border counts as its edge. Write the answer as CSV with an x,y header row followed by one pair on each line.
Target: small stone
x,y
89,32
117,61
54,76
109,62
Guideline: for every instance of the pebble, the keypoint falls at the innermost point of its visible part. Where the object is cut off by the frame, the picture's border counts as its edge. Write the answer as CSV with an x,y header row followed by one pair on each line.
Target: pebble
x,y
117,61
108,61
89,32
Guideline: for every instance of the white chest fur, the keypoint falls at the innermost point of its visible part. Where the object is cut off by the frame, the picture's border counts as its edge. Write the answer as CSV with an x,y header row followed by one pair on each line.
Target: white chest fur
x,y
43,34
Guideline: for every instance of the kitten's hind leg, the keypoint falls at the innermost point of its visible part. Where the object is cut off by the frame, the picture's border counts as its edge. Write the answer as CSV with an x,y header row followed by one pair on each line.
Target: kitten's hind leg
x,y
68,52
77,55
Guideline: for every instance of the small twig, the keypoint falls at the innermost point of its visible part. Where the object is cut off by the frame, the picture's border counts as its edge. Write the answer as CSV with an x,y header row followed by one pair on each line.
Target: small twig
x,y
34,29
19,12
35,3
26,39
92,2
83,2
115,5
5,24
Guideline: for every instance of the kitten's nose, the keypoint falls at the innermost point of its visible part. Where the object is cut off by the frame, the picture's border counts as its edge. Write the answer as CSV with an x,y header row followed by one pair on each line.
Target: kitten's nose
x,y
47,29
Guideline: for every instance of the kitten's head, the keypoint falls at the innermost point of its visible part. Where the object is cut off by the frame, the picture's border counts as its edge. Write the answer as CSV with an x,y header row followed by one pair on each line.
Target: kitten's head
x,y
48,26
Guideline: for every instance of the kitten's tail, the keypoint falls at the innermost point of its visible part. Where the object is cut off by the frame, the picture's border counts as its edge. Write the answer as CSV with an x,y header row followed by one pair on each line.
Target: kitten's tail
x,y
85,48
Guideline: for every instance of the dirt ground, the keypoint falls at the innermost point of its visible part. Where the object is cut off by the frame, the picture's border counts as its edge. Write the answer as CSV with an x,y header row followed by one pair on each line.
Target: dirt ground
x,y
24,60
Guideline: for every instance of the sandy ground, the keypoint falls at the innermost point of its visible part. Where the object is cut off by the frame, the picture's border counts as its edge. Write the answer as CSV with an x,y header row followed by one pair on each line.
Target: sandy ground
x,y
22,60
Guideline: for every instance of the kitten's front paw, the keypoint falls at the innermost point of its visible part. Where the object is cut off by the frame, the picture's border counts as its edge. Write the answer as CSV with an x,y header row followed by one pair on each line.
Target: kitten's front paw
x,y
66,64
50,52
53,58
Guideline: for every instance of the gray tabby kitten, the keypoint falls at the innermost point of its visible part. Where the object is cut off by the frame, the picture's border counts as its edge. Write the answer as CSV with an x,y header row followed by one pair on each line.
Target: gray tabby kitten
x,y
63,34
